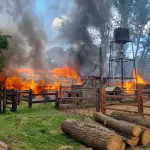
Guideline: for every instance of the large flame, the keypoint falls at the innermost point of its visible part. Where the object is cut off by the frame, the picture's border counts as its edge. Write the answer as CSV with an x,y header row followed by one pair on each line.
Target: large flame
x,y
131,85
63,76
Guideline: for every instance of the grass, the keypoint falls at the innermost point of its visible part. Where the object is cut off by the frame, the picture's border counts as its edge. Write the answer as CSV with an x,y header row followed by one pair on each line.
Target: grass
x,y
35,129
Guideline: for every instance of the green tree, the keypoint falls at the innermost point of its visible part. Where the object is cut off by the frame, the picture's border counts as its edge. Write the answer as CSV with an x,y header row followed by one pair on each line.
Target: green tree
x,y
4,45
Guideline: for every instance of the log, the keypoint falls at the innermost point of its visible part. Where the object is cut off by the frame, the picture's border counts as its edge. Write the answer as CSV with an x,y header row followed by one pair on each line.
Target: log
x,y
123,127
134,118
136,148
89,134
123,146
137,119
4,146
131,141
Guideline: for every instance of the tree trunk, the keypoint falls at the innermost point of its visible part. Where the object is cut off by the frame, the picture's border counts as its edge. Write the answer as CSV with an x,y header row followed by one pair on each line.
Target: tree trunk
x,y
4,146
137,148
134,118
123,127
137,119
131,141
89,134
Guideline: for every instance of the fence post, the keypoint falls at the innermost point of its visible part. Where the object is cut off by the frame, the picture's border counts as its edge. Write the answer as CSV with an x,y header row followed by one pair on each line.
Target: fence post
x,y
140,100
30,99
103,101
1,97
18,96
97,100
14,100
57,100
4,100
60,89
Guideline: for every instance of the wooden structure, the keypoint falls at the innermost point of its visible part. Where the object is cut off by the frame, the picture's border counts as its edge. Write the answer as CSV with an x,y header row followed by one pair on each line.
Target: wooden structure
x,y
136,99
12,98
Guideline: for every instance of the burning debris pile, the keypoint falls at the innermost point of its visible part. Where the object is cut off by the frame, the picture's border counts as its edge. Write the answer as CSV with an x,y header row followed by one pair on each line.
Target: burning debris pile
x,y
39,80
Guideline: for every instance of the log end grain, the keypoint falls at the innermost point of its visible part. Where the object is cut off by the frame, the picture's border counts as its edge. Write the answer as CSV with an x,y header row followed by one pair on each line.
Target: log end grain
x,y
114,143
146,138
136,131
133,142
123,146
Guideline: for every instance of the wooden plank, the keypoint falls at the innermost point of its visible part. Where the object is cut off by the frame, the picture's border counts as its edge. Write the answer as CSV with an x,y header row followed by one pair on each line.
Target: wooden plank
x,y
120,96
42,101
126,104
145,98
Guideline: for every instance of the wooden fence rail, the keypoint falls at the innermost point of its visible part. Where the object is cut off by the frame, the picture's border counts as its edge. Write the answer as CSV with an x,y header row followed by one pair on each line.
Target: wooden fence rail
x,y
138,102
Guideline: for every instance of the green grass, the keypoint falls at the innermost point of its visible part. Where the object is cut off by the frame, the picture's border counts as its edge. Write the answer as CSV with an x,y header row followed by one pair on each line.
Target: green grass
x,y
35,129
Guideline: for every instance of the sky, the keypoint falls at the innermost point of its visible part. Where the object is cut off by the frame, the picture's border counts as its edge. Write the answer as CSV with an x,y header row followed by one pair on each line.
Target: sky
x,y
52,11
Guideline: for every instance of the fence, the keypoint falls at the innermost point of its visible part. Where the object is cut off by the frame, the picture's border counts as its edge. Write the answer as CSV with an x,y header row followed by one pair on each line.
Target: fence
x,y
77,100
12,98
137,102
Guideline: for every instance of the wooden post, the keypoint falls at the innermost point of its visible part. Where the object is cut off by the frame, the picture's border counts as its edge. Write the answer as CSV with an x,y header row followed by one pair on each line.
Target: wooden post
x,y
103,101
30,99
139,100
57,100
101,76
18,97
1,97
60,91
97,100
4,100
14,100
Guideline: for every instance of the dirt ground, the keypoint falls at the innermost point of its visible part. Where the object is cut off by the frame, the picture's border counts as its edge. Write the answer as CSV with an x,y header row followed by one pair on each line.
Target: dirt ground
x,y
90,111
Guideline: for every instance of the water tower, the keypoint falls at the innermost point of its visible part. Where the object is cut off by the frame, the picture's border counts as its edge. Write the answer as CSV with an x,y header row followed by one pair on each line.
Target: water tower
x,y
120,40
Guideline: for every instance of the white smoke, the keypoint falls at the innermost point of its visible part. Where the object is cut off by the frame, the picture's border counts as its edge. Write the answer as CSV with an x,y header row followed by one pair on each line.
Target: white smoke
x,y
58,22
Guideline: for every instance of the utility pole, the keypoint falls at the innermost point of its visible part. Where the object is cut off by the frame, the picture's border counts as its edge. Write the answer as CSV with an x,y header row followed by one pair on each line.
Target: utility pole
x,y
100,80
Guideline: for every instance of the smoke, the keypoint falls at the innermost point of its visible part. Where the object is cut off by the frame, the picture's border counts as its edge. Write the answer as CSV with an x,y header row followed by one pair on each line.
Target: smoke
x,y
86,14
28,38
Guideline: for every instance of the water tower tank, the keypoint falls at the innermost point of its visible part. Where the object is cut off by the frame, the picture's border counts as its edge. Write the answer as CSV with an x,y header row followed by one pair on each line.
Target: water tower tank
x,y
121,36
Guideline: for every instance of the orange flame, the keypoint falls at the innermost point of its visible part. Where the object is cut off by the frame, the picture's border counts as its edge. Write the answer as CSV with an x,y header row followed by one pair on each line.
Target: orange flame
x,y
130,85
17,82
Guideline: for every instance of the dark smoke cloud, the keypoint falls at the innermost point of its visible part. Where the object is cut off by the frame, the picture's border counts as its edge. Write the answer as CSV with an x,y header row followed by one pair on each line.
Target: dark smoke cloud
x,y
28,38
87,13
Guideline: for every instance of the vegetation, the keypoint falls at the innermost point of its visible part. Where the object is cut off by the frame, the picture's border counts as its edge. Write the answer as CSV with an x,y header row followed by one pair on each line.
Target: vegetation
x,y
35,129
4,45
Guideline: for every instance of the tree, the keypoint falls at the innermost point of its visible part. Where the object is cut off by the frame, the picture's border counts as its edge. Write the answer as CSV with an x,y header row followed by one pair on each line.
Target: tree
x,y
4,45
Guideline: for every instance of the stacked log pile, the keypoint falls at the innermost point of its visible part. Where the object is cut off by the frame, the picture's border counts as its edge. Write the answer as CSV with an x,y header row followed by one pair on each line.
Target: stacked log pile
x,y
108,132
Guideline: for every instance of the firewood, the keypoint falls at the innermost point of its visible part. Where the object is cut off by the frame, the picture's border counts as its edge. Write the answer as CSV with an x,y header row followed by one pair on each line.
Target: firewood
x,y
123,127
89,134
4,146
131,141
123,146
133,118
137,119
136,148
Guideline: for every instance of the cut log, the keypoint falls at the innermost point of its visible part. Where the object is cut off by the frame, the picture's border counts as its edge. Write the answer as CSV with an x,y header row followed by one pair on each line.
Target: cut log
x,y
136,148
145,137
123,127
4,146
89,134
138,119
133,118
123,146
131,141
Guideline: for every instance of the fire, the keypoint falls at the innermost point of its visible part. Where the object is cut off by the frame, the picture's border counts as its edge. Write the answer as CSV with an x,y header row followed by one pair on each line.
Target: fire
x,y
66,72
130,85
62,76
